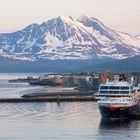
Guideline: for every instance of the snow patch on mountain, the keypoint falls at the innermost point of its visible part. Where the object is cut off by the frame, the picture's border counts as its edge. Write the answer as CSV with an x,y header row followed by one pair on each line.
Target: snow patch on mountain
x,y
138,36
129,40
52,40
109,49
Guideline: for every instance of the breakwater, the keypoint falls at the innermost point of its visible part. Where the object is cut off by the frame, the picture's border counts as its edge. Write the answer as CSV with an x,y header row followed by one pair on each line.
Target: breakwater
x,y
53,97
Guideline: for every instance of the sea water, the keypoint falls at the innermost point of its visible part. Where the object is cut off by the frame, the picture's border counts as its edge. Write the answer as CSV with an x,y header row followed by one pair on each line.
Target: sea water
x,y
56,121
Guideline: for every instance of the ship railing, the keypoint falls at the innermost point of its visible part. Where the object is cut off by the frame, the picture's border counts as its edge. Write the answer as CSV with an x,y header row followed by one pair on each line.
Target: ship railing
x,y
114,91
112,95
115,102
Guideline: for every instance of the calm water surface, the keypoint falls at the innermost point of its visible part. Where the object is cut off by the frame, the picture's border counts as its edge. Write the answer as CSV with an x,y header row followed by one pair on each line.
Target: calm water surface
x,y
63,121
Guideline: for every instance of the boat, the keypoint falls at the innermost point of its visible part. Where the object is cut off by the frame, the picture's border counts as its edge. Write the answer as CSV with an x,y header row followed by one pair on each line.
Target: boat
x,y
118,98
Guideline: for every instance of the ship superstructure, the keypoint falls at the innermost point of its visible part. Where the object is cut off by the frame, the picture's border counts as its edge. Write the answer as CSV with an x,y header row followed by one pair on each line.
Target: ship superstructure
x,y
118,98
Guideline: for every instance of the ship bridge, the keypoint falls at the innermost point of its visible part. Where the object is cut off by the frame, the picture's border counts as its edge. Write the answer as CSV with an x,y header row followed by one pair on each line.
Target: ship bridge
x,y
117,88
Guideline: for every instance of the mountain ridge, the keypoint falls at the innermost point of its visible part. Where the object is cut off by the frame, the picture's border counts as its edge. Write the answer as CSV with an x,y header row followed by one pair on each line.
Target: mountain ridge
x,y
67,39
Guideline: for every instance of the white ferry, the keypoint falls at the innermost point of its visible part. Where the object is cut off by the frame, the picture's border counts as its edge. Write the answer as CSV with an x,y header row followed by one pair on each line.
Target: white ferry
x,y
117,99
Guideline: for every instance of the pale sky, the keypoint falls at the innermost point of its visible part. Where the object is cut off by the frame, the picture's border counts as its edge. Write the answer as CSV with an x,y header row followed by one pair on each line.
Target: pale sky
x,y
122,15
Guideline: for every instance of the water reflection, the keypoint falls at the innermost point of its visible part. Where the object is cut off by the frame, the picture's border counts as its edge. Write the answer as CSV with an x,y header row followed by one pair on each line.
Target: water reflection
x,y
75,121
114,124
119,129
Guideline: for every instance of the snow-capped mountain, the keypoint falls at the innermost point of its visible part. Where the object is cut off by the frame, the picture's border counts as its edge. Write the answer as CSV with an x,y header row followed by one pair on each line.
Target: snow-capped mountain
x,y
65,38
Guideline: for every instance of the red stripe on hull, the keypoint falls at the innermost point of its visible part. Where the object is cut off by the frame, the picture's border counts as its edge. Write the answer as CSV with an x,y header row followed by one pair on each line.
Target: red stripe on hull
x,y
117,112
113,108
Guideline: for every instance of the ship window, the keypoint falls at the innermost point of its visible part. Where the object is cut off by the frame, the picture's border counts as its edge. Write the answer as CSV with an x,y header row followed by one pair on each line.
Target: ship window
x,y
114,87
124,88
103,91
124,92
113,92
104,87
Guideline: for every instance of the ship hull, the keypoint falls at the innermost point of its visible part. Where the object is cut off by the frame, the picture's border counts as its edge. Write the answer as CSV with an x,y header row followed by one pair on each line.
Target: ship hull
x,y
118,112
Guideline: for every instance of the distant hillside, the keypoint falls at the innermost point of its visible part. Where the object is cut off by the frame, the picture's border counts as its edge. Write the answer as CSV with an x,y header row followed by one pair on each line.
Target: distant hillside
x,y
11,65
125,65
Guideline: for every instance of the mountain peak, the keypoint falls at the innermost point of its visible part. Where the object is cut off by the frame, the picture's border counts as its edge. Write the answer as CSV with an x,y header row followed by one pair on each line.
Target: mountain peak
x,y
91,22
64,18
85,18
